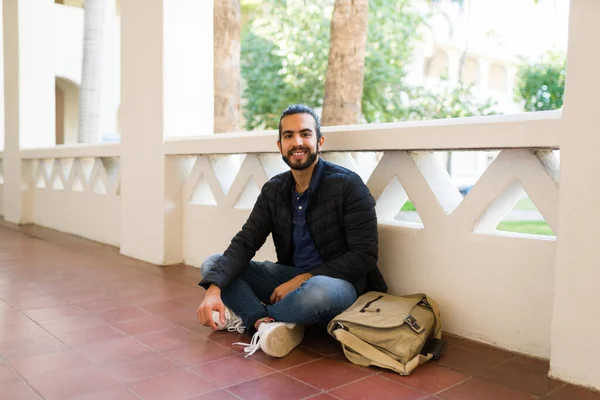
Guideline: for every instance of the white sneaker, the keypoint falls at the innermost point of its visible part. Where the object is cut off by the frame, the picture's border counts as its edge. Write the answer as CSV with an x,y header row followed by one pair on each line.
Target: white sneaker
x,y
275,339
233,323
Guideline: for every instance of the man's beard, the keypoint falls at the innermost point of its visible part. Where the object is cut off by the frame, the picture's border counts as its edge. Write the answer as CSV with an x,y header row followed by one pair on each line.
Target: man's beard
x,y
312,157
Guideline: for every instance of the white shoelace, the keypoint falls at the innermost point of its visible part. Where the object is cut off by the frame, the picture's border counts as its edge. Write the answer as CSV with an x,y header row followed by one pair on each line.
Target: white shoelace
x,y
237,325
251,347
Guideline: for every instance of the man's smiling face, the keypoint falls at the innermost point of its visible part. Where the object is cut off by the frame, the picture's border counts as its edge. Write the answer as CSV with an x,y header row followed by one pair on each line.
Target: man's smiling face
x,y
298,143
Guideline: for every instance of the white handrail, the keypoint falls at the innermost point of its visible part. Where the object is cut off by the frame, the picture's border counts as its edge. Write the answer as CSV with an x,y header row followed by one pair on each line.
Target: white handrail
x,y
525,130
73,151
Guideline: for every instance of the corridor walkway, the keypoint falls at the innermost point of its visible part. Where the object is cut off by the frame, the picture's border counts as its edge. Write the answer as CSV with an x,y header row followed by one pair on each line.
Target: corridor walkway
x,y
80,321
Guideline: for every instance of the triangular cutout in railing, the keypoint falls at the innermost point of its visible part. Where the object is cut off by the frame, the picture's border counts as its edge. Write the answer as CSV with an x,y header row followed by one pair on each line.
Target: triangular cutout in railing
x,y
514,211
99,180
226,169
56,175
394,205
525,218
112,167
248,196
202,194
98,186
78,185
409,213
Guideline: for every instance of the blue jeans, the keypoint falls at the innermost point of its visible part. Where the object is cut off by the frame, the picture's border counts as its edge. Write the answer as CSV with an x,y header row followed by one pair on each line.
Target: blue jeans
x,y
315,302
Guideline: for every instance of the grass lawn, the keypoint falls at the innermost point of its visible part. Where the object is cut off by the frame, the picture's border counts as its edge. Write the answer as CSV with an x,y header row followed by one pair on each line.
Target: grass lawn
x,y
531,227
523,205
408,206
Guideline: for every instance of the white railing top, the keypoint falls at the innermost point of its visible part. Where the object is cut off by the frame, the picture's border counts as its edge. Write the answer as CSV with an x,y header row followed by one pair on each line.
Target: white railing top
x,y
525,130
73,151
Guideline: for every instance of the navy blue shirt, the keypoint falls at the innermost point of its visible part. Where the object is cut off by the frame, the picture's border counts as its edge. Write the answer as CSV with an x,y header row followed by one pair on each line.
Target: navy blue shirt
x,y
306,256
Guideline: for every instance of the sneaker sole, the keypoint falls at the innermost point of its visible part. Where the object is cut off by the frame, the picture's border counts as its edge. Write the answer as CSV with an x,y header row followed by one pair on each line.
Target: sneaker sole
x,y
279,341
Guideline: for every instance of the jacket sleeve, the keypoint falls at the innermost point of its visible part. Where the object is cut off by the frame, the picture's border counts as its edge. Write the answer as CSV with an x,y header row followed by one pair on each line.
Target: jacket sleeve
x,y
360,227
243,246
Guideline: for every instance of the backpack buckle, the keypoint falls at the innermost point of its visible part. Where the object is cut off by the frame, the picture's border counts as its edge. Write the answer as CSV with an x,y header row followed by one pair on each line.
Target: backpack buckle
x,y
414,325
339,325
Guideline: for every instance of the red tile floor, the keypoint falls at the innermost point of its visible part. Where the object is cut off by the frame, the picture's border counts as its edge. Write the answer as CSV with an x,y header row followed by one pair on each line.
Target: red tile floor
x,y
80,321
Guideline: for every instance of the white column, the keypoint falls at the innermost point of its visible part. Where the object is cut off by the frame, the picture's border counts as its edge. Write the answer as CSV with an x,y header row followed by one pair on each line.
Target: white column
x,y
167,90
111,72
29,95
511,73
576,319
453,66
1,81
416,69
483,74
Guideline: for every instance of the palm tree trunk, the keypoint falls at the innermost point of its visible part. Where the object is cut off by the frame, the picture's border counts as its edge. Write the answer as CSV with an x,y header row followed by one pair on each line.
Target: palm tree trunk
x,y
346,63
227,74
91,72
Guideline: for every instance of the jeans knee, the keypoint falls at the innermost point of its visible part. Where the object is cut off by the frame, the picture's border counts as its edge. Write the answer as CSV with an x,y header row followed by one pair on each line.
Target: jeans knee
x,y
329,293
208,263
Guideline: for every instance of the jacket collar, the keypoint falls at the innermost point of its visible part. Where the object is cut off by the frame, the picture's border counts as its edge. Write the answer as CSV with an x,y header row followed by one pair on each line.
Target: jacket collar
x,y
315,180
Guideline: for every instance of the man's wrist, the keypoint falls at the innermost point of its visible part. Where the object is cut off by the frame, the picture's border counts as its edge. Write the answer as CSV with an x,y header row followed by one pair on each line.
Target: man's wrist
x,y
213,288
306,276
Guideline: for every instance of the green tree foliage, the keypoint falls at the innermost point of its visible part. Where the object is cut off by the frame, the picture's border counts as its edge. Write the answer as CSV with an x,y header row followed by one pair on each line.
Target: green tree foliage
x,y
542,84
284,60
446,101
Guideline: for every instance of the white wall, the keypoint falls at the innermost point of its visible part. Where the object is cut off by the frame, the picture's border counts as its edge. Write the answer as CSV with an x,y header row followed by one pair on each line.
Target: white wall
x,y
492,287
76,189
495,290
89,215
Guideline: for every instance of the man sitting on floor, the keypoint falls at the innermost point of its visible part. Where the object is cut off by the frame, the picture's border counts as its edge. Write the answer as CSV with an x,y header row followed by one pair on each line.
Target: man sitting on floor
x,y
324,226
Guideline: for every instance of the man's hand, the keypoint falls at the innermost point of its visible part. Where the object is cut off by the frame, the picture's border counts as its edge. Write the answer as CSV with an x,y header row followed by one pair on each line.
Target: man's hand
x,y
212,301
282,290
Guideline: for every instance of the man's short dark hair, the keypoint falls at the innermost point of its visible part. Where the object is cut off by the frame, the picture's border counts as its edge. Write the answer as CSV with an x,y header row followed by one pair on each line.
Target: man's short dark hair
x,y
301,109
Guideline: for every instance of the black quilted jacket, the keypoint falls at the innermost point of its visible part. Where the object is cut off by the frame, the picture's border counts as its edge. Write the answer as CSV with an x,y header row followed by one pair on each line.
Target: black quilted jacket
x,y
341,219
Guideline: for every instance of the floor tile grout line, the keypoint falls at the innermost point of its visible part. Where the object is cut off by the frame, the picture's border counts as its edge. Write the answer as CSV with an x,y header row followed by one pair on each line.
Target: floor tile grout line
x,y
513,357
381,375
305,383
312,396
486,378
503,362
275,371
231,356
300,364
494,382
492,369
468,378
417,389
348,383
23,378
192,366
148,333
233,394
356,366
563,384
227,387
